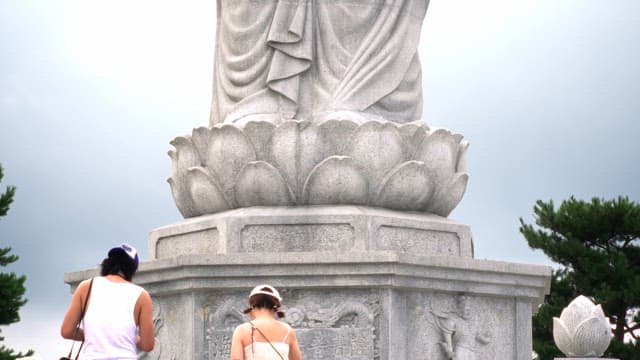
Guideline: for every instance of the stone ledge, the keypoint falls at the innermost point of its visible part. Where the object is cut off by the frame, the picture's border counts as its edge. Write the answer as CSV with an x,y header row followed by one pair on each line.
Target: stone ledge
x,y
376,269
341,228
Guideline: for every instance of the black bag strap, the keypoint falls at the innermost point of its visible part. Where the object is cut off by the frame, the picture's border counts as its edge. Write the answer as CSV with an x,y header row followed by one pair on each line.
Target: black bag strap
x,y
261,333
75,332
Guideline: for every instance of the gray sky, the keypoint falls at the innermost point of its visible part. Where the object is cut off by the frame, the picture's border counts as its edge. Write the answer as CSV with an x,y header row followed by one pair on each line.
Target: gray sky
x,y
91,93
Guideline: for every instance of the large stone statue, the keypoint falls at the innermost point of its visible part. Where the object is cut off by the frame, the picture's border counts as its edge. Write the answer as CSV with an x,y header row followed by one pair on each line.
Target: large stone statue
x,y
303,59
318,102
316,174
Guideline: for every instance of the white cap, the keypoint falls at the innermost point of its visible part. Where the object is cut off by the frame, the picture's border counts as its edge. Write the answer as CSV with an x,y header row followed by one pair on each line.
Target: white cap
x,y
273,292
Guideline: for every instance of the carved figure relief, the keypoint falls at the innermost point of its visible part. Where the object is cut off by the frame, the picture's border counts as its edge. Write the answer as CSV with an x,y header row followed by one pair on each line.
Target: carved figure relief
x,y
461,339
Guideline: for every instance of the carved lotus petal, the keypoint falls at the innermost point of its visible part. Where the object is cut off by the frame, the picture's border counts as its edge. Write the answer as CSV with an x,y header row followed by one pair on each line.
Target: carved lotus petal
x,y
582,329
184,157
182,197
578,310
260,183
296,149
229,151
413,134
260,134
336,180
341,159
205,192
562,336
406,187
439,152
410,129
447,197
461,166
336,135
592,337
200,138
377,147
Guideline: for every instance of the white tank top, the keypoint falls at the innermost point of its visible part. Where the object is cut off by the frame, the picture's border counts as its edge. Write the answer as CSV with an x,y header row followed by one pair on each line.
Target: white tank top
x,y
261,350
109,325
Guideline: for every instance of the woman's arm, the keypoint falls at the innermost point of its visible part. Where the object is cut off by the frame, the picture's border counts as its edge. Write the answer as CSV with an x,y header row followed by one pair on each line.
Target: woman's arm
x,y
145,340
294,348
237,349
72,317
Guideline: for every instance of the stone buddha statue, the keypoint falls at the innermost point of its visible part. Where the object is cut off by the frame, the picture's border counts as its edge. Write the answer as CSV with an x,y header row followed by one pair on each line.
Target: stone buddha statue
x,y
278,60
318,102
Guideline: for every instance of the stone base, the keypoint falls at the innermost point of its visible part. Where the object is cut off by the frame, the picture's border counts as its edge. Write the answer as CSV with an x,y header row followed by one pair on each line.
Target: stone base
x,y
358,283
312,229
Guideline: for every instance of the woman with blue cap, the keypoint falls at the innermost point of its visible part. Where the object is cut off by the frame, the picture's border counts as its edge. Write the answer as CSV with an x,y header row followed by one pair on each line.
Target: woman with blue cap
x,y
116,315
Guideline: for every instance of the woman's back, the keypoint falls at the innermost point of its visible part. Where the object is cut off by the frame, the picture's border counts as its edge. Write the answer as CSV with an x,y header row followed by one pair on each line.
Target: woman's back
x,y
109,323
264,338
267,340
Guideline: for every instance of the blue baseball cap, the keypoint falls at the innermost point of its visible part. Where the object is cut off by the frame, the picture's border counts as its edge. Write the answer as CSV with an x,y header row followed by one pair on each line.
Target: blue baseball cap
x,y
127,249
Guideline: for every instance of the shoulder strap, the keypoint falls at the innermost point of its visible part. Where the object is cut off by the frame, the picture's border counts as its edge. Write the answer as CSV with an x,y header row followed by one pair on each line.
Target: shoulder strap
x,y
284,340
261,333
82,312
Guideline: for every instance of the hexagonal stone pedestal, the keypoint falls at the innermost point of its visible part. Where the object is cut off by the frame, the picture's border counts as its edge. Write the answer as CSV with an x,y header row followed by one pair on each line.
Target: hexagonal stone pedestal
x,y
357,282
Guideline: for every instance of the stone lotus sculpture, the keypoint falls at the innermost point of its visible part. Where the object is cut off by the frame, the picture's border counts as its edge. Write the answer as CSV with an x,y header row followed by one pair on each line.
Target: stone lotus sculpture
x,y
582,329
407,167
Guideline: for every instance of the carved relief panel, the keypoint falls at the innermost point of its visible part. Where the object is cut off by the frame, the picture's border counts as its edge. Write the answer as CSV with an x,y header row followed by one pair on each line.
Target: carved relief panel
x,y
460,327
162,349
328,326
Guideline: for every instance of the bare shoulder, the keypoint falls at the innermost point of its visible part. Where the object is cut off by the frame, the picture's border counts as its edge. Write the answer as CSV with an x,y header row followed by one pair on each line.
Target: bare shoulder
x,y
144,298
83,287
286,325
84,284
242,330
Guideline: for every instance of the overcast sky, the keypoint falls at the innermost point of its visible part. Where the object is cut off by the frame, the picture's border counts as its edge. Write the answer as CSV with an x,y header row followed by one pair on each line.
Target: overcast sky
x,y
91,93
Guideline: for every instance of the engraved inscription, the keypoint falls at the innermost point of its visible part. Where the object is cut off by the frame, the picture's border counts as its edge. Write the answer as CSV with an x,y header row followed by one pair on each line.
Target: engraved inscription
x,y
418,241
219,344
300,237
336,343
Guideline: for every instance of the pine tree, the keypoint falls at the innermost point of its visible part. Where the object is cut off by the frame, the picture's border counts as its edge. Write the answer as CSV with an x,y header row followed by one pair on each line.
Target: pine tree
x,y
597,244
11,286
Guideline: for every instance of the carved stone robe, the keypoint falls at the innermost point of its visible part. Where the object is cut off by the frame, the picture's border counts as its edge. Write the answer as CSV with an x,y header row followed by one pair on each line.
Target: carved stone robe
x,y
306,59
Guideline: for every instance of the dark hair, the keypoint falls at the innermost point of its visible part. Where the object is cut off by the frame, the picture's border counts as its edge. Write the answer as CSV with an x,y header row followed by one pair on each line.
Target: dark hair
x,y
263,301
119,263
